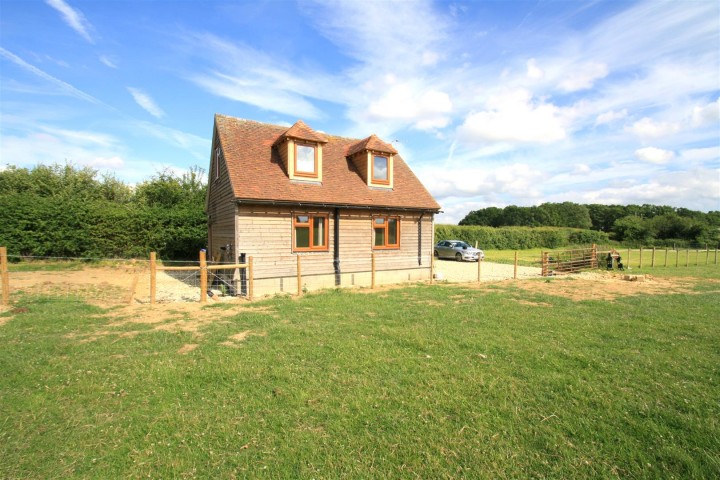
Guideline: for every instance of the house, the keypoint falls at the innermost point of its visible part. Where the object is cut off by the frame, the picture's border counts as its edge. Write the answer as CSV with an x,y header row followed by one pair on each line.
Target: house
x,y
341,204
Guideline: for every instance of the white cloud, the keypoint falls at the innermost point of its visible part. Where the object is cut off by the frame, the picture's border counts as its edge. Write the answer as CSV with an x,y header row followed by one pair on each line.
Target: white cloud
x,y
648,128
611,116
654,155
146,102
515,179
695,189
74,18
581,169
107,162
427,110
514,117
707,154
50,145
533,71
241,73
195,145
107,61
583,77
706,114
63,86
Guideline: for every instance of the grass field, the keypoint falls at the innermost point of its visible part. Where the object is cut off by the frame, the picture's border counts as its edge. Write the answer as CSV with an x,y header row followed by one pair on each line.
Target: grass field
x,y
635,258
441,381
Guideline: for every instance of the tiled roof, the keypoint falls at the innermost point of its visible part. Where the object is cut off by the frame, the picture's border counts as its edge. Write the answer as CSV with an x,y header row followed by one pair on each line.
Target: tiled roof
x,y
372,143
302,132
256,171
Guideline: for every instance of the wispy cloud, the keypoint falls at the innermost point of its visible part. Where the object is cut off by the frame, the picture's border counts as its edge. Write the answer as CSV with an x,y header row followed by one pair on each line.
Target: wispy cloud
x,y
63,86
241,73
107,61
74,18
146,102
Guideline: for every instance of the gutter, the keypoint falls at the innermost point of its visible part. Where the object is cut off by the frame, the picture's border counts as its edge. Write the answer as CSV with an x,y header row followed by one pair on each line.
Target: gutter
x,y
282,203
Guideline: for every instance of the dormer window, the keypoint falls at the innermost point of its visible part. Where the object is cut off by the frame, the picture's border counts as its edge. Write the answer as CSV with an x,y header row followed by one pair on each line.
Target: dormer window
x,y
300,148
380,171
305,160
373,160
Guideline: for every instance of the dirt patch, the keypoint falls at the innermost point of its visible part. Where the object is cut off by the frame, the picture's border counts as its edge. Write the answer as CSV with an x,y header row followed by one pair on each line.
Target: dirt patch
x,y
533,304
236,340
110,286
187,348
180,317
609,286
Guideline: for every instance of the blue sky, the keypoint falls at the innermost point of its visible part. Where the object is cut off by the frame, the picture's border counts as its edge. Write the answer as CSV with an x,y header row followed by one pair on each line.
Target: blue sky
x,y
490,103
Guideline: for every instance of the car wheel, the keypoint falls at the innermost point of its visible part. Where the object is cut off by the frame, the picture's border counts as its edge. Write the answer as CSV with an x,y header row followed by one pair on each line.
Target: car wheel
x,y
458,257
437,255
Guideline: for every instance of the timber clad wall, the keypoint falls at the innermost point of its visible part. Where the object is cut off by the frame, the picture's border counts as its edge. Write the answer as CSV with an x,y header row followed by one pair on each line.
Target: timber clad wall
x,y
253,196
221,211
265,232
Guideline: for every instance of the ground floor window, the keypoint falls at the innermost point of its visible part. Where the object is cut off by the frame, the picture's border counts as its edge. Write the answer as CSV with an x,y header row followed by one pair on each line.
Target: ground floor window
x,y
386,232
310,232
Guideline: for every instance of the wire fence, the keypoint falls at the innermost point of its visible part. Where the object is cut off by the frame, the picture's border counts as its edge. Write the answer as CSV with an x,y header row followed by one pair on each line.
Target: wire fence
x,y
114,281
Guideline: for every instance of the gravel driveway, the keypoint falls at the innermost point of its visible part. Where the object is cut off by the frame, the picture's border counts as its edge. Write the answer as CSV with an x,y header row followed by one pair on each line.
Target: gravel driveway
x,y
452,271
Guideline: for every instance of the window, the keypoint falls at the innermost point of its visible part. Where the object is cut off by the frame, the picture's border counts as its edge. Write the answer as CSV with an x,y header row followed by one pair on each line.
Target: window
x,y
305,160
386,232
218,154
310,233
380,170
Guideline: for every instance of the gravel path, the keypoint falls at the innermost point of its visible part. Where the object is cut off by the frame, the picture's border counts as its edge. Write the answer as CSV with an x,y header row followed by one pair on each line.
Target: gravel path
x,y
452,271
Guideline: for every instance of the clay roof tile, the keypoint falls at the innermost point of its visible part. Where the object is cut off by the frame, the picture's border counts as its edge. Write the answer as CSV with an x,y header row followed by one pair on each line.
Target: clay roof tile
x,y
257,174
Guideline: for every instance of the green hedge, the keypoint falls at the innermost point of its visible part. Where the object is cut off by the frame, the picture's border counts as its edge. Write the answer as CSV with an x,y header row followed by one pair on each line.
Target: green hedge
x,y
519,238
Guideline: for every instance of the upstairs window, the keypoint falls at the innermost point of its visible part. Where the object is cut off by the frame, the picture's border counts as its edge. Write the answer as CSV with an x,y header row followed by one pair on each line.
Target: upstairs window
x,y
218,155
380,170
386,232
305,160
310,233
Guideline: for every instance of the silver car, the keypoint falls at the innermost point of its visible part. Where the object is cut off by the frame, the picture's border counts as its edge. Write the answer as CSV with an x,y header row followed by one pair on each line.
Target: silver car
x,y
458,250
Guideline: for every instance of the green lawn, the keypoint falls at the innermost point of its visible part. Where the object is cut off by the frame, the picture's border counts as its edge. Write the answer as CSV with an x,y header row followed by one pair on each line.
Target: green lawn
x,y
427,381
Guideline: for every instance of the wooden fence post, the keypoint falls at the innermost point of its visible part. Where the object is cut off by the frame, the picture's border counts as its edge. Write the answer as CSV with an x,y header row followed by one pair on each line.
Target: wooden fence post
x,y
640,266
250,278
594,261
153,275
479,268
5,276
652,263
203,276
716,249
687,257
628,258
299,276
666,255
707,254
677,257
544,263
516,262
432,269
372,270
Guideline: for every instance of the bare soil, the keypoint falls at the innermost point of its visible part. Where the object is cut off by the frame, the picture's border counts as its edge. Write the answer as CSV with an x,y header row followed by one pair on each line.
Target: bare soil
x,y
125,294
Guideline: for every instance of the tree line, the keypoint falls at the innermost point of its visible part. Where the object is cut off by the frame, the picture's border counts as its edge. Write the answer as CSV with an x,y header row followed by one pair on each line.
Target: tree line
x,y
67,211
632,224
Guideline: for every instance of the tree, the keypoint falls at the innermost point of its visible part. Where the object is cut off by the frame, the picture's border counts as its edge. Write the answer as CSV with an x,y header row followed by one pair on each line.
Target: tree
x,y
632,229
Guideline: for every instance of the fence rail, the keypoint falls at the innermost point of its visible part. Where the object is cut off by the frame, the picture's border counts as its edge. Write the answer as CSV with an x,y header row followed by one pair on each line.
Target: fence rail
x,y
126,281
153,281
